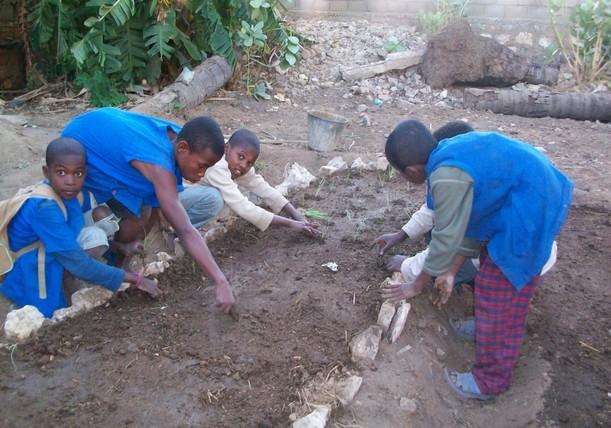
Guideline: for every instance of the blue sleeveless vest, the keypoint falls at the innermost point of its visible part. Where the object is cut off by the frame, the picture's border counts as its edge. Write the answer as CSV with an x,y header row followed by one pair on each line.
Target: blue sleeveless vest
x,y
520,200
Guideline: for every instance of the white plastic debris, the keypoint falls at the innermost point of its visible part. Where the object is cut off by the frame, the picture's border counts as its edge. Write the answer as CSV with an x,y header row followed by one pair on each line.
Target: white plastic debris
x,y
297,177
365,345
21,323
398,322
186,75
317,419
332,266
334,165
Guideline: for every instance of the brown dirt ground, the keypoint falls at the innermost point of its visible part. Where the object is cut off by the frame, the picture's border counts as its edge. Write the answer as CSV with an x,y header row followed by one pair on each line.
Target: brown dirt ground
x,y
176,362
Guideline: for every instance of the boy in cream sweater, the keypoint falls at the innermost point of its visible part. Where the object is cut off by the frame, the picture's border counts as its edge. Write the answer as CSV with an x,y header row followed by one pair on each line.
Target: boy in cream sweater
x,y
236,169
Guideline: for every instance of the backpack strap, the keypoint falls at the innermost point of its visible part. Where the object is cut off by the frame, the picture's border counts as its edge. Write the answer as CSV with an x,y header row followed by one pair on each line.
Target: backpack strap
x,y
41,190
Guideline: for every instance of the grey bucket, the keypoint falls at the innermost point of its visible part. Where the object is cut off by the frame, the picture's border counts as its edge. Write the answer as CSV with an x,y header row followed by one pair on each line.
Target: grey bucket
x,y
324,130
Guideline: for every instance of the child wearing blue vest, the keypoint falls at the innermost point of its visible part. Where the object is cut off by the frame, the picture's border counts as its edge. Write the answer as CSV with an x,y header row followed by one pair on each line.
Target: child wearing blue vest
x,y
43,220
136,164
495,197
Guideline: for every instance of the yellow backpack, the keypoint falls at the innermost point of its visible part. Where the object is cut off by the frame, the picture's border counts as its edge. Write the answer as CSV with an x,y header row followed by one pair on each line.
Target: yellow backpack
x,y
8,209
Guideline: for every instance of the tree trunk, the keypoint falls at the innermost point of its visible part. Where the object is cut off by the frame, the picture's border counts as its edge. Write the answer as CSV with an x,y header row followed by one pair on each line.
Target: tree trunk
x,y
189,92
572,105
394,61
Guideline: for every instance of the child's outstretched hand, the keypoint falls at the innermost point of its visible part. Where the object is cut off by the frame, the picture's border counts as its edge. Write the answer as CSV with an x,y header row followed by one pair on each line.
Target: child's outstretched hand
x,y
444,284
306,227
388,240
148,286
397,292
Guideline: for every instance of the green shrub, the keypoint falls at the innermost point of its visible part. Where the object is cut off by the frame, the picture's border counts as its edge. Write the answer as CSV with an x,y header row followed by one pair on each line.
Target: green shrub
x,y
120,43
587,43
445,11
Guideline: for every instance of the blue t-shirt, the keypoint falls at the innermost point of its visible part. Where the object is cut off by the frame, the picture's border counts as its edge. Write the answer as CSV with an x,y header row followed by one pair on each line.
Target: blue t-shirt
x,y
113,138
41,219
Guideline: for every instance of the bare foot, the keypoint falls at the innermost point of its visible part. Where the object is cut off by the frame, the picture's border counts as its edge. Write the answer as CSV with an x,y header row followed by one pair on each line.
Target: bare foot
x,y
394,265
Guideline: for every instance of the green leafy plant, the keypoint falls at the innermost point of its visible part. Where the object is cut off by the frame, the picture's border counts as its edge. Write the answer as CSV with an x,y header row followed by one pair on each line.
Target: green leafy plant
x,y
130,41
445,11
392,44
587,44
314,214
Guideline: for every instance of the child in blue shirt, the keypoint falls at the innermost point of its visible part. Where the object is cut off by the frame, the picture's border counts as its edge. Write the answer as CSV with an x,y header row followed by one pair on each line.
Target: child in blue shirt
x,y
42,219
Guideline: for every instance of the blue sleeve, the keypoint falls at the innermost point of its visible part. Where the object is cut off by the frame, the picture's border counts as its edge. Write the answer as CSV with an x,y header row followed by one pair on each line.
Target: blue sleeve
x,y
49,224
79,264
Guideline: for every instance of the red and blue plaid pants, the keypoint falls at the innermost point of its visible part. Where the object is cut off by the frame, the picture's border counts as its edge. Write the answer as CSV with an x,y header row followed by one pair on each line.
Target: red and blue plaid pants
x,y
500,324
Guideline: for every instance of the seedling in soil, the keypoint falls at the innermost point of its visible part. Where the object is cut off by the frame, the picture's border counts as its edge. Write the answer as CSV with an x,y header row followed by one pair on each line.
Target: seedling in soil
x,y
319,188
316,215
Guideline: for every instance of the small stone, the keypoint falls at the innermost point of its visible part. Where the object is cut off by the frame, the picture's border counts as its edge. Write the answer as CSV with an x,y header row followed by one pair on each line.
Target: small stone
x,y
361,108
409,405
398,322
21,323
317,419
440,353
386,314
365,345
91,297
346,389
303,79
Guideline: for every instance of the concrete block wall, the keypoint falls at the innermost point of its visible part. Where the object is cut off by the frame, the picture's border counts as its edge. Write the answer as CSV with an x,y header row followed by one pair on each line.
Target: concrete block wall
x,y
534,10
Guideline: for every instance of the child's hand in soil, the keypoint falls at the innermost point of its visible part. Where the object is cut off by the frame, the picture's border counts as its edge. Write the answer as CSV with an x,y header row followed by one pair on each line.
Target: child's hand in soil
x,y
444,284
397,292
148,286
225,300
307,228
388,240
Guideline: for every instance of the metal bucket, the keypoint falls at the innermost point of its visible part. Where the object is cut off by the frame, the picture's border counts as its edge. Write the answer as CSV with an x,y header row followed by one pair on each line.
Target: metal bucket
x,y
324,130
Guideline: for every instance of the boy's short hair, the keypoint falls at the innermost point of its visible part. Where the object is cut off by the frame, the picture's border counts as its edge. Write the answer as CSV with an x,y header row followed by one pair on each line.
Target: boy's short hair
x,y
452,129
245,138
410,143
64,147
202,133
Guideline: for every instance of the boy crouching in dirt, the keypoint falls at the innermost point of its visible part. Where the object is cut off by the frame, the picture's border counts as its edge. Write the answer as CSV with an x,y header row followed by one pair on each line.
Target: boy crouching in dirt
x,y
39,229
494,196
236,168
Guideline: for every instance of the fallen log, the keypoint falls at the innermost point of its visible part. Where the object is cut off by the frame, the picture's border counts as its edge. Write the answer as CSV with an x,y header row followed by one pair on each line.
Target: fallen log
x,y
394,61
565,105
189,92
458,55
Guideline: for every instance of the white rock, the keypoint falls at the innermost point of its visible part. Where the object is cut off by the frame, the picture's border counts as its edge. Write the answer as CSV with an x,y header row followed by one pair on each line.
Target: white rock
x,y
358,164
385,316
346,389
21,323
91,297
69,312
398,322
154,268
409,405
317,419
361,108
524,38
381,164
365,345
297,177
